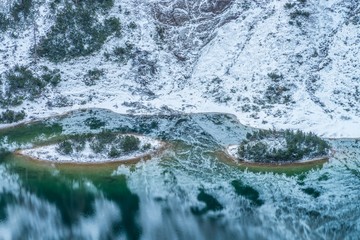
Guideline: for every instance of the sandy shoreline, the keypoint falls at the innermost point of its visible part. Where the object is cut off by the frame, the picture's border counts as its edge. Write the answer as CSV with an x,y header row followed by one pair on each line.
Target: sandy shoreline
x,y
32,154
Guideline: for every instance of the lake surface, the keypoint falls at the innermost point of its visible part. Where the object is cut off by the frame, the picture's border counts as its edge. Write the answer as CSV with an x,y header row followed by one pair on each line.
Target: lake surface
x,y
187,192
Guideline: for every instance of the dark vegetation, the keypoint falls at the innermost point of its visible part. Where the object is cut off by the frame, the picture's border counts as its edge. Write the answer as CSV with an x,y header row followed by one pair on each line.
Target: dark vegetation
x,y
132,25
4,22
94,123
21,83
212,204
92,76
277,94
311,191
120,54
19,10
10,116
289,5
298,12
114,145
247,192
65,147
106,143
275,77
59,101
77,30
130,143
281,146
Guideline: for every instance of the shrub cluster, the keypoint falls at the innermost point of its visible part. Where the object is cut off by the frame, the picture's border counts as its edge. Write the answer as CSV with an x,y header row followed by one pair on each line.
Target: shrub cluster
x,y
281,146
114,145
103,4
94,123
275,77
77,31
19,10
10,116
120,54
277,94
299,13
289,5
92,76
4,22
106,143
59,101
21,83
65,147
75,144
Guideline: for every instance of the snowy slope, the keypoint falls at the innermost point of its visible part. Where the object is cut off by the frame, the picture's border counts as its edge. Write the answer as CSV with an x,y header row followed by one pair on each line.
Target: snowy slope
x,y
282,64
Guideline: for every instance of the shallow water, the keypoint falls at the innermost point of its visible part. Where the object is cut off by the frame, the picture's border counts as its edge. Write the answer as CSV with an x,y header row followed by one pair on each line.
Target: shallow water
x,y
187,192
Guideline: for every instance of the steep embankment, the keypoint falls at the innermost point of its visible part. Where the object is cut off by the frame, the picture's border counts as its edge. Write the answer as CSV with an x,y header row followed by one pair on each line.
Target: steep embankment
x,y
283,64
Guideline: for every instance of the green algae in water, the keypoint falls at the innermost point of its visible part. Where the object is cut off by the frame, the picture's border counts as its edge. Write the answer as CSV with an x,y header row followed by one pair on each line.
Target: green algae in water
x,y
212,204
311,191
323,177
30,133
247,192
74,192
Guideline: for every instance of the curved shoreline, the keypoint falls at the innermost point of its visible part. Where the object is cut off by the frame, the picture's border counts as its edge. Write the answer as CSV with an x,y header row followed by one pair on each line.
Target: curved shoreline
x,y
299,163
288,169
130,160
54,115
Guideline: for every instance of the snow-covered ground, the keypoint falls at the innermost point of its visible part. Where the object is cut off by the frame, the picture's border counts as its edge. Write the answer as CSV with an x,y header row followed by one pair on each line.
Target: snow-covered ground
x,y
232,151
50,153
216,57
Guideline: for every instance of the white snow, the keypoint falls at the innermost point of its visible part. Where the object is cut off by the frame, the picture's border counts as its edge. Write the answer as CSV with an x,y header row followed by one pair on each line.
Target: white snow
x,y
242,51
232,150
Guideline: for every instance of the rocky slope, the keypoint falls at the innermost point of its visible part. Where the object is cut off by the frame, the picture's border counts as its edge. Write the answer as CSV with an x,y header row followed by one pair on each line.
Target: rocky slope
x,y
283,64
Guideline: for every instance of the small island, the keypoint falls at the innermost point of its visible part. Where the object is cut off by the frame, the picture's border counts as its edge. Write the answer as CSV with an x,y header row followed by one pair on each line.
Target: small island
x,y
96,148
284,146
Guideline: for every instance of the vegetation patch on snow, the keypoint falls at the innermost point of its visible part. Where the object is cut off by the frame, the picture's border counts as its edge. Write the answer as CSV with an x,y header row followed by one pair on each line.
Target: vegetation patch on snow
x,y
18,12
77,30
280,146
10,116
24,83
94,148
93,76
269,66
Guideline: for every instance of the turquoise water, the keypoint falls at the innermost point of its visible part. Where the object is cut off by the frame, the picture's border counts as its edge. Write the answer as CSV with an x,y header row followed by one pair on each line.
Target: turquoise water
x,y
186,192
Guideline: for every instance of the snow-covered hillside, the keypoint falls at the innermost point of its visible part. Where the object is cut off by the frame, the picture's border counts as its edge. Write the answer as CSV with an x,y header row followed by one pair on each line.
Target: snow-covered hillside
x,y
272,63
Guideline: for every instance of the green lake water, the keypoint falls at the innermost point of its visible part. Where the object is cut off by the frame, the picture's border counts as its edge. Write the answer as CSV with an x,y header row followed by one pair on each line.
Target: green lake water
x,y
189,191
